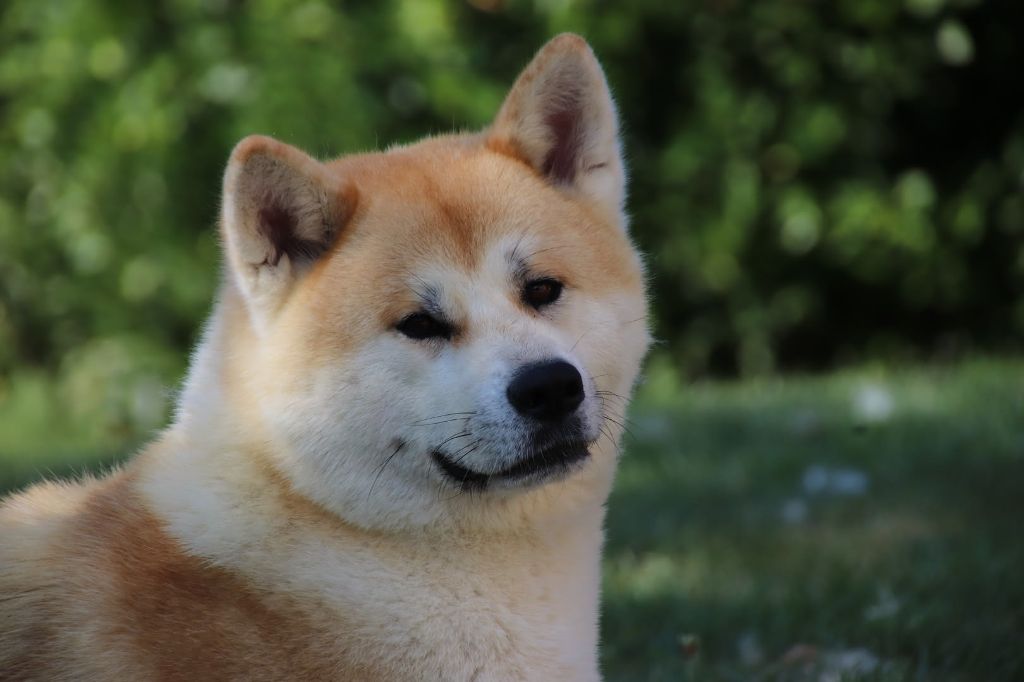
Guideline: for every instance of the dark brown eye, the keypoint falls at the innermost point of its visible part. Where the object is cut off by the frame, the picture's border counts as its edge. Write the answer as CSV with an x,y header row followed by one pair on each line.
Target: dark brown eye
x,y
541,292
424,326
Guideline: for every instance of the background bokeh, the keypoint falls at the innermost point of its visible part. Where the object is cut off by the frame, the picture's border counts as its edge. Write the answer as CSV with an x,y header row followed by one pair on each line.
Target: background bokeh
x,y
816,184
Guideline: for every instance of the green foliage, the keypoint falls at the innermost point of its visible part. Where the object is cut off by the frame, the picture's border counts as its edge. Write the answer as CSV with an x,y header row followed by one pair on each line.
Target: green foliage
x,y
813,182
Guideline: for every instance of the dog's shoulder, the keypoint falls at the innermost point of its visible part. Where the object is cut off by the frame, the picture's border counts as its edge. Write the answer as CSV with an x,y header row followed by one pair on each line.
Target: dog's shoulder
x,y
93,587
36,526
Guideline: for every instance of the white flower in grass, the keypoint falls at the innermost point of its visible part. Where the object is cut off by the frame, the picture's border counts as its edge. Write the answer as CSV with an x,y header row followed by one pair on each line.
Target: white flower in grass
x,y
815,479
848,482
794,511
873,403
841,481
842,664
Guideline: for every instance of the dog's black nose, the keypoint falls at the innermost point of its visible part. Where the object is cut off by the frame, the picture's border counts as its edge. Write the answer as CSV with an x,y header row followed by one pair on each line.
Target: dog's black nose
x,y
546,391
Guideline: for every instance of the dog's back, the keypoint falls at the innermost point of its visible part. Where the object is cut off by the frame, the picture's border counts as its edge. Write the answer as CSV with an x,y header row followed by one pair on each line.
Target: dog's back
x,y
35,584
93,588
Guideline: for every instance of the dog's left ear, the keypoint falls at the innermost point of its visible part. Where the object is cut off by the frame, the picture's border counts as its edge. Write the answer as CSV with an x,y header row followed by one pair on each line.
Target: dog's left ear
x,y
559,117
282,210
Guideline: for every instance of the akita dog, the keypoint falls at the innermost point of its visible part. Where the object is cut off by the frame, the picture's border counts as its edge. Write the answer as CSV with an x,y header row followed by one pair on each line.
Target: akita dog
x,y
392,452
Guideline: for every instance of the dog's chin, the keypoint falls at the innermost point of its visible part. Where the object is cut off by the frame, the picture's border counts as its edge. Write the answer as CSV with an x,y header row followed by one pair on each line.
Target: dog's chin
x,y
541,465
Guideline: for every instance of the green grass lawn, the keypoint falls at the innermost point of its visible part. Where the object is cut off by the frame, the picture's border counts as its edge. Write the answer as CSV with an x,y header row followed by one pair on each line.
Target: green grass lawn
x,y
860,526
866,525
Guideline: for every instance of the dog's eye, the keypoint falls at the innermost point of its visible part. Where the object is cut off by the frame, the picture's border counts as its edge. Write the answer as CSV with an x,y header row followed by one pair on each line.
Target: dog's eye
x,y
424,326
542,292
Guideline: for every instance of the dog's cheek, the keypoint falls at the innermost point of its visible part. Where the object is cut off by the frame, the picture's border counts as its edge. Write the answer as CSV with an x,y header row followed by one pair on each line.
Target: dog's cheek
x,y
614,341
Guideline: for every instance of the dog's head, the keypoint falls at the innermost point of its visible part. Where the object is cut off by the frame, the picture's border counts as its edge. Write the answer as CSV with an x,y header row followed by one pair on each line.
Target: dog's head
x,y
453,325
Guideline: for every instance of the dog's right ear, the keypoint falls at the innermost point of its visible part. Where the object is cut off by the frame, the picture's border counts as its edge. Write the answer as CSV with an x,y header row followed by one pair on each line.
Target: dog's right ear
x,y
560,119
282,210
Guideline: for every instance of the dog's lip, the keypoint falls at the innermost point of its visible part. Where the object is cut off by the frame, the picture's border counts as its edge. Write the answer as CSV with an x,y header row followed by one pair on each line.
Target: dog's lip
x,y
558,456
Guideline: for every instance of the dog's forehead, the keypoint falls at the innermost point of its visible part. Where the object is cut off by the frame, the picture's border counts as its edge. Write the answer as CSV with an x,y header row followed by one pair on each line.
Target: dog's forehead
x,y
430,213
448,199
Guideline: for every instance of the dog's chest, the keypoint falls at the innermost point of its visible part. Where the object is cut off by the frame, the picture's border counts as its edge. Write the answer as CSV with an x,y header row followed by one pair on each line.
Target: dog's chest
x,y
458,620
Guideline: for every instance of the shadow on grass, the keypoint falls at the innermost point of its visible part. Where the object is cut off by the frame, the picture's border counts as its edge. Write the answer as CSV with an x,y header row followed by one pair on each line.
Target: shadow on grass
x,y
722,526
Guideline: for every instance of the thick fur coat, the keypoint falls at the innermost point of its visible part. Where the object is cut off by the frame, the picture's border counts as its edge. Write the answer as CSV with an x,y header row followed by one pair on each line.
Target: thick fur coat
x,y
345,491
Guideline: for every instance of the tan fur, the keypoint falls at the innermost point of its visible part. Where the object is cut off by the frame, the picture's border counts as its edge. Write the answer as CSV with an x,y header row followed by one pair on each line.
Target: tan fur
x,y
125,601
275,531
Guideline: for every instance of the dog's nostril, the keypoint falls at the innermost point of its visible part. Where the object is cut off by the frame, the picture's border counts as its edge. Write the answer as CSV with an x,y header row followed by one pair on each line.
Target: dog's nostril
x,y
536,399
546,391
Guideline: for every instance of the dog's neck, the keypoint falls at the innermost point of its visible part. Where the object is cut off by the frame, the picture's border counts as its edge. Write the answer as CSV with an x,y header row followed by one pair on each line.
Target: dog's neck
x,y
526,600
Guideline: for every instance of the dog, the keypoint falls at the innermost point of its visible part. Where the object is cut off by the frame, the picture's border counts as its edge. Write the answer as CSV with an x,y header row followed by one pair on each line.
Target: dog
x,y
392,451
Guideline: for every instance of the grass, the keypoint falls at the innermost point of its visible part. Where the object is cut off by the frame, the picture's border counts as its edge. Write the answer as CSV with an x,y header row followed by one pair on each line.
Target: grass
x,y
864,525
859,526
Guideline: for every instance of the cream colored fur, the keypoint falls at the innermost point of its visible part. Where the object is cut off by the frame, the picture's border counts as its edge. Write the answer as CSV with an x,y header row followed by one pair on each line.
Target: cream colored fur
x,y
291,523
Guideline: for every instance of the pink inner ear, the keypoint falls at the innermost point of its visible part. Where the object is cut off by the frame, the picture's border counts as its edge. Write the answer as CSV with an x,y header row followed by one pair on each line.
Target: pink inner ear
x,y
561,162
278,226
564,118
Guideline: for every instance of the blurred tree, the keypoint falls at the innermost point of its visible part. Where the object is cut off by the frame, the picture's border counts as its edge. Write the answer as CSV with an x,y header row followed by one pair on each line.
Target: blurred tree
x,y
814,182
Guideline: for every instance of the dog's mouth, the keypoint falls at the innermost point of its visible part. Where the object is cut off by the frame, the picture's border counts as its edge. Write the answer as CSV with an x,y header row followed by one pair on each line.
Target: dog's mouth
x,y
544,463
